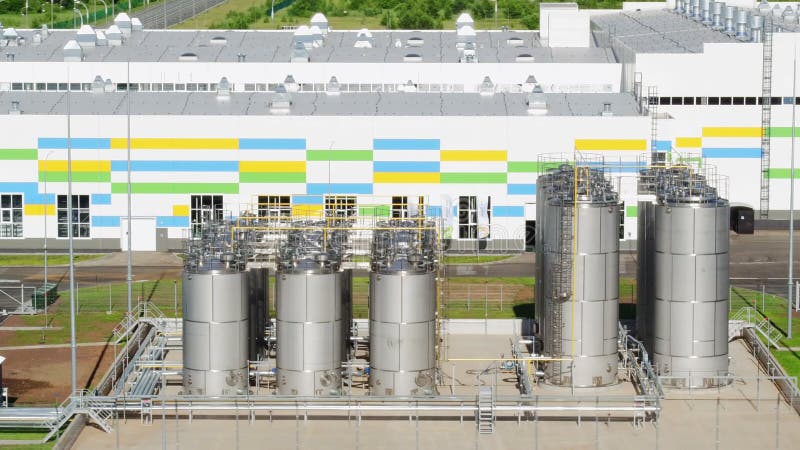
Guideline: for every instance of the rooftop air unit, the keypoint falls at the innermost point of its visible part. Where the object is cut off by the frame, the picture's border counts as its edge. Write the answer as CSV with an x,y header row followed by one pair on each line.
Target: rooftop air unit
x,y
45,31
742,17
487,87
100,38
299,53
281,102
363,39
320,21
290,84
11,37
136,24
464,36
72,51
224,88
333,87
123,22
537,102
86,37
464,20
114,36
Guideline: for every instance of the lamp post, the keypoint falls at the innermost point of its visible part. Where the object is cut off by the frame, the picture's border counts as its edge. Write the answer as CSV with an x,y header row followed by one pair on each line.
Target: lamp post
x,y
78,2
44,286
80,16
105,9
51,14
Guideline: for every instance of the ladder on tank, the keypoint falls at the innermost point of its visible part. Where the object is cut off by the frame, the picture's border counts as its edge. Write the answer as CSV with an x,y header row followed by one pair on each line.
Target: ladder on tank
x,y
766,115
562,284
486,410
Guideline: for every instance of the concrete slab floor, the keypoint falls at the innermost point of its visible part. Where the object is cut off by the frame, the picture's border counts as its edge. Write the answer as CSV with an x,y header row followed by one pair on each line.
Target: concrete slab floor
x,y
740,416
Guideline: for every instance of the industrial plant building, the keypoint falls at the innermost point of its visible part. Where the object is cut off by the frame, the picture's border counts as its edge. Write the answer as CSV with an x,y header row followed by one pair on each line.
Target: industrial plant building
x,y
317,122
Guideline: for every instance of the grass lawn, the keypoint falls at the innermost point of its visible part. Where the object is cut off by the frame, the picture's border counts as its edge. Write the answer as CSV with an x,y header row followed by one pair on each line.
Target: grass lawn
x,y
473,259
38,259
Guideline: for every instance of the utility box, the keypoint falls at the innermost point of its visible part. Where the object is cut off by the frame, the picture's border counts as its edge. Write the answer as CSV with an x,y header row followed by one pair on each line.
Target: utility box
x,y
742,219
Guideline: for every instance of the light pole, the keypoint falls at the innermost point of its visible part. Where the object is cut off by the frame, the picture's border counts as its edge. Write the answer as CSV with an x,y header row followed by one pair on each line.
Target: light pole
x,y
272,12
791,200
105,9
80,16
45,239
70,205
78,2
51,14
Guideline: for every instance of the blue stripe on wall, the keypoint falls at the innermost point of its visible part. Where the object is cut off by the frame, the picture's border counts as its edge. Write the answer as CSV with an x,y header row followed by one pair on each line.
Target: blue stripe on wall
x,y
405,166
272,144
30,191
176,166
339,188
306,199
406,144
105,221
663,146
521,189
172,221
78,143
508,211
101,199
433,211
745,152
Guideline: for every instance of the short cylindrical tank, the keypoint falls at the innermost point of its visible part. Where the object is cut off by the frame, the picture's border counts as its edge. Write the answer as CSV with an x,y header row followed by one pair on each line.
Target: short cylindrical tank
x,y
309,332
718,16
742,30
756,27
691,289
730,17
215,331
402,339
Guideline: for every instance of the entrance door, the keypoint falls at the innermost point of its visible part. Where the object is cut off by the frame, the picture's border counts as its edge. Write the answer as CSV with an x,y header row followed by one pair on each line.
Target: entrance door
x,y
143,238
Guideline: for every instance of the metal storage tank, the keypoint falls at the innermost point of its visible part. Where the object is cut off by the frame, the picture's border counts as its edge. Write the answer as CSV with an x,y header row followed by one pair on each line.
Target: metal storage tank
x,y
215,330
402,310
647,187
309,314
691,282
258,310
581,285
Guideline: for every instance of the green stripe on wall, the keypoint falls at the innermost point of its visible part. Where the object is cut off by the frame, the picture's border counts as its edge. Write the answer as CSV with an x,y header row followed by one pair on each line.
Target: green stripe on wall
x,y
338,155
783,174
78,177
531,166
272,177
783,131
374,211
19,154
631,211
476,177
176,188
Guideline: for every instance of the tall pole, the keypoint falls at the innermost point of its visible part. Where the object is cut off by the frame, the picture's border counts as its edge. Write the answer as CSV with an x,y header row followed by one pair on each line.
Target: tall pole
x,y
47,157
70,232
51,14
130,225
791,200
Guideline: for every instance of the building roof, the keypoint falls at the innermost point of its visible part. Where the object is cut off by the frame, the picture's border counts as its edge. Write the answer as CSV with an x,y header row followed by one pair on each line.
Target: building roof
x,y
277,46
315,104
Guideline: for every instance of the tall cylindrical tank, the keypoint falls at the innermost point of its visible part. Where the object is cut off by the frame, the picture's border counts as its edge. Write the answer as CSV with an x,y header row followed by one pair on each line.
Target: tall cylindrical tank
x,y
645,253
215,330
691,282
309,330
258,311
402,310
581,286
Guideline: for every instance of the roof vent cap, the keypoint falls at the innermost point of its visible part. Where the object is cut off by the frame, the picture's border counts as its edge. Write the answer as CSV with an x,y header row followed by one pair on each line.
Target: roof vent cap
x,y
14,111
487,87
333,87
223,88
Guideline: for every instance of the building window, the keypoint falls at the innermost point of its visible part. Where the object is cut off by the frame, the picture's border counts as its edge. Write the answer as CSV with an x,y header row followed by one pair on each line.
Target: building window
x,y
471,224
205,208
340,206
401,208
11,216
688,100
750,101
81,219
274,206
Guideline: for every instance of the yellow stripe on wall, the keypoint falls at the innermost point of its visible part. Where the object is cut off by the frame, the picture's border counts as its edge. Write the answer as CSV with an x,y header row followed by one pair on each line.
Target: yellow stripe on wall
x,y
740,132
474,155
77,166
272,166
175,144
180,210
611,144
688,142
406,177
307,210
40,210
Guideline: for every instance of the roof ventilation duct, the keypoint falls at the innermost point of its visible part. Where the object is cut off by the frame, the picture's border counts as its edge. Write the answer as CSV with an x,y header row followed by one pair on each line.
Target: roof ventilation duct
x,y
241,57
114,36
45,31
11,37
101,40
37,38
730,17
363,39
537,102
86,37
281,102
136,24
109,86
764,8
465,35
468,54
302,35
290,84
529,84
320,21
123,22
72,51
789,15
464,20
607,110
487,87
756,26
14,111
333,87
717,15
742,17
224,88
98,85
706,7
415,41
317,40
299,53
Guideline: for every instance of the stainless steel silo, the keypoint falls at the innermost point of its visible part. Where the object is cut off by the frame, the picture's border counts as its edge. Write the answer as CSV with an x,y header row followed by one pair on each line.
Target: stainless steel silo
x,y
647,185
402,305
309,312
691,282
581,285
215,328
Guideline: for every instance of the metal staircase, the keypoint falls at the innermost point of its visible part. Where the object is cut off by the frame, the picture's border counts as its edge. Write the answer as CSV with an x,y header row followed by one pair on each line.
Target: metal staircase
x,y
486,403
748,317
101,410
766,115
